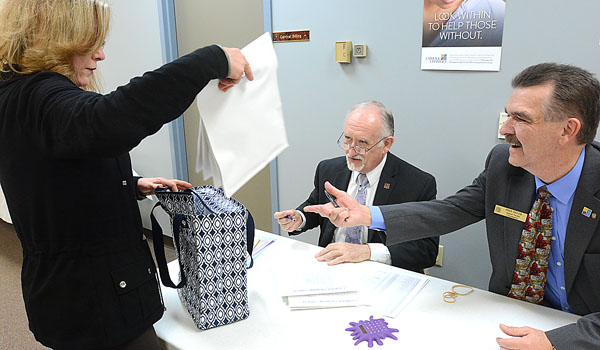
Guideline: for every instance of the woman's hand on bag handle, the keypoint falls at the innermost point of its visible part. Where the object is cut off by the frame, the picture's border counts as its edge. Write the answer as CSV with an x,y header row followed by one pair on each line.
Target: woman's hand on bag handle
x,y
147,185
238,67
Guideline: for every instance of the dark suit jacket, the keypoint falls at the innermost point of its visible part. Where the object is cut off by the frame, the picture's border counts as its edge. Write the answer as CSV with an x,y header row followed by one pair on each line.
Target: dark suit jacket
x,y
512,187
406,183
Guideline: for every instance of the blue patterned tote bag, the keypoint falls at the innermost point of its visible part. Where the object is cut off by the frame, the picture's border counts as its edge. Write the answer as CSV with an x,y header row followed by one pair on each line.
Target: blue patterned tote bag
x,y
212,234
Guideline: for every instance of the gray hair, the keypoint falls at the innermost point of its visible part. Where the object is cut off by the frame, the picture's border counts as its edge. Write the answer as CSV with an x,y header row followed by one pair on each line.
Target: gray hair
x,y
386,115
576,94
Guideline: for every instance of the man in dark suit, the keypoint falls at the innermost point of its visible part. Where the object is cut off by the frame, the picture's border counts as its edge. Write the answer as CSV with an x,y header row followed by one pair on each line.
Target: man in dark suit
x,y
367,137
553,116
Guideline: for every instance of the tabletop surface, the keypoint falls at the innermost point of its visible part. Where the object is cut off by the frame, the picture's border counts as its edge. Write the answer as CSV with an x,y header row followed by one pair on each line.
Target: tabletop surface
x,y
426,323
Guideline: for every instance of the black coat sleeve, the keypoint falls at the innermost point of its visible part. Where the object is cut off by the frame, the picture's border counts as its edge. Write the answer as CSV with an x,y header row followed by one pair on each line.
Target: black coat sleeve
x,y
71,123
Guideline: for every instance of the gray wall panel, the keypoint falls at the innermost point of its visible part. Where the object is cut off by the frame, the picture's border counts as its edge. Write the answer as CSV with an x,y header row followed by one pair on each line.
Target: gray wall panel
x,y
446,121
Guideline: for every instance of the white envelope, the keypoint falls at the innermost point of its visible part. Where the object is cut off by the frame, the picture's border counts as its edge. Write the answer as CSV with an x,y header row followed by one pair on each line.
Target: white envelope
x,y
242,130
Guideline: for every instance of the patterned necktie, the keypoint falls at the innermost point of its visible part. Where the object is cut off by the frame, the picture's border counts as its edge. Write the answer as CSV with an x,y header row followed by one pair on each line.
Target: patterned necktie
x,y
353,234
529,279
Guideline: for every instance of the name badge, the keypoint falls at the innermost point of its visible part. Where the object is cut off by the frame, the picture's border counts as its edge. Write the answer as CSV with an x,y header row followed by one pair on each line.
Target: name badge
x,y
510,213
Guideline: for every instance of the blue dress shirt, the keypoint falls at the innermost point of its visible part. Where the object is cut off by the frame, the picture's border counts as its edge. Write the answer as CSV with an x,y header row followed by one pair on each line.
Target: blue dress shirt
x,y
563,191
377,222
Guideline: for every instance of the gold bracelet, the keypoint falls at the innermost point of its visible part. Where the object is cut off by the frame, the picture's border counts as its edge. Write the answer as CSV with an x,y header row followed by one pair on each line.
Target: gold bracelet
x,y
450,297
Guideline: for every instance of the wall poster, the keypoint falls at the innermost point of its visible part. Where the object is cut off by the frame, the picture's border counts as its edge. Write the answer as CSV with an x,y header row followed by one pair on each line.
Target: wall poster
x,y
462,34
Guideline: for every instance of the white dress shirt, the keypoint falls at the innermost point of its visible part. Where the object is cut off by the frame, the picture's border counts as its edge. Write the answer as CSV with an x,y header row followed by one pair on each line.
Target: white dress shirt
x,y
379,252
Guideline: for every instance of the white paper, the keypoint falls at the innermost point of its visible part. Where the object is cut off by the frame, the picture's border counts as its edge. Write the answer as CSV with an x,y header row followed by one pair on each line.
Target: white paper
x,y
390,292
319,278
316,283
319,301
260,244
209,165
242,130
461,58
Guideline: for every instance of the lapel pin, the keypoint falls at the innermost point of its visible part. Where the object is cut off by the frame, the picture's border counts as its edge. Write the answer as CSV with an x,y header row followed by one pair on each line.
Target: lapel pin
x,y
594,215
587,212
386,186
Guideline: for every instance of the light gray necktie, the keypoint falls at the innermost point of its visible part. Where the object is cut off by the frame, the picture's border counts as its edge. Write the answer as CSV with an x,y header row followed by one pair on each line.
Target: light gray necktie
x,y
353,234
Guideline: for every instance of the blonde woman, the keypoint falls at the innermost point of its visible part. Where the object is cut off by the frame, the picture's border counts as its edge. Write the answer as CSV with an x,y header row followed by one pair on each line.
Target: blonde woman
x,y
88,278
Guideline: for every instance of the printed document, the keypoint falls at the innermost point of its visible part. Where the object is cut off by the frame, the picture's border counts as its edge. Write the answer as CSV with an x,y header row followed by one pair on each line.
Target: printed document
x,y
317,285
389,292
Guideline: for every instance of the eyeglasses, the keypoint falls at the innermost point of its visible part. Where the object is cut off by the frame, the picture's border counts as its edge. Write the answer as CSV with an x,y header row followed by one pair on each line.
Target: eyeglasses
x,y
358,149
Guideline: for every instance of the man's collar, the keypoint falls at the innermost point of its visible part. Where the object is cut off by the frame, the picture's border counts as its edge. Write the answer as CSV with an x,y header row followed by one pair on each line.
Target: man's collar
x,y
564,188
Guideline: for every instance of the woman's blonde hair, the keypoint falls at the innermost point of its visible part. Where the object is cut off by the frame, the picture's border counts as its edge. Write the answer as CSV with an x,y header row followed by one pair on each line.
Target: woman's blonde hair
x,y
43,35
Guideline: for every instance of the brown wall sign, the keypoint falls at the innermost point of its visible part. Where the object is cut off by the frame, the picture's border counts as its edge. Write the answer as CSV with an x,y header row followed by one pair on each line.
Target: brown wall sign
x,y
296,35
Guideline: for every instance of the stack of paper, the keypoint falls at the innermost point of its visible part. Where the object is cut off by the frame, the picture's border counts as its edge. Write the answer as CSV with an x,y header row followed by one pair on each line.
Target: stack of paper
x,y
389,292
324,300
321,286
242,130
260,244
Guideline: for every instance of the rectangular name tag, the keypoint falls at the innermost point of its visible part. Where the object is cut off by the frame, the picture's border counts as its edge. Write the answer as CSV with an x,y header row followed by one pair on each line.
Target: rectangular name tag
x,y
510,213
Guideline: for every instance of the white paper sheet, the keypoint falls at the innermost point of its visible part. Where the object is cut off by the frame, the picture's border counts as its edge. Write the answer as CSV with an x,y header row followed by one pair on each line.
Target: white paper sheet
x,y
390,292
320,301
242,130
318,278
260,244
317,285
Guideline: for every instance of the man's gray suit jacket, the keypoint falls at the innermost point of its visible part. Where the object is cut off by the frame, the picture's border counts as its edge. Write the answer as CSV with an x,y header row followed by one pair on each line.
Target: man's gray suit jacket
x,y
503,184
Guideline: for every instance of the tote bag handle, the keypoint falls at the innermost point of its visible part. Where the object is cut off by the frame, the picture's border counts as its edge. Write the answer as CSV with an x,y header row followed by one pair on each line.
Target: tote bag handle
x,y
159,249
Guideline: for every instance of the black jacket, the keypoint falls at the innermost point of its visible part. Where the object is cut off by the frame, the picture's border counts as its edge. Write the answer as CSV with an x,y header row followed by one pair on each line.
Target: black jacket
x,y
88,278
399,182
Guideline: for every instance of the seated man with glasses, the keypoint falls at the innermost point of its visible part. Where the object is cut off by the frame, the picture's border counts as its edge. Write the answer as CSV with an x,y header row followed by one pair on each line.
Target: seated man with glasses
x,y
375,177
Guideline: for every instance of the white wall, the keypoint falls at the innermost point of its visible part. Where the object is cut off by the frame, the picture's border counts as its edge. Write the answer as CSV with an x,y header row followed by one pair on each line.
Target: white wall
x,y
132,48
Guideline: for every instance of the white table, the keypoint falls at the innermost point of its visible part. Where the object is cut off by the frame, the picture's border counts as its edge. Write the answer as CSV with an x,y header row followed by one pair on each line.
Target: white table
x,y
426,323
